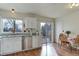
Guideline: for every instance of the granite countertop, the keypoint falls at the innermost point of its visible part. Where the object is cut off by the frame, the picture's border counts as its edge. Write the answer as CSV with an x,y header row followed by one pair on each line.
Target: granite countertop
x,y
17,34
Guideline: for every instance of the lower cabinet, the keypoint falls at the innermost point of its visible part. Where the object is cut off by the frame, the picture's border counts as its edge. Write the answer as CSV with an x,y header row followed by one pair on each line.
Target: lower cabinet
x,y
31,42
36,42
10,45
27,43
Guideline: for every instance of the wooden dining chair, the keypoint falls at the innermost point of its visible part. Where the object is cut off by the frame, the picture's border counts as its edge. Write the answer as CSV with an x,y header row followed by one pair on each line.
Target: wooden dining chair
x,y
77,40
63,40
77,43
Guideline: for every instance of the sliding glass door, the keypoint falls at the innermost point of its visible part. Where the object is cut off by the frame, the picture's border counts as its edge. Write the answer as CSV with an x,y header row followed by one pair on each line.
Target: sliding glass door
x,y
46,32
47,29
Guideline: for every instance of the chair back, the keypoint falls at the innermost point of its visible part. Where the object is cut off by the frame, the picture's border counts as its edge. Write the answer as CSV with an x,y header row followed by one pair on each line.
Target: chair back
x,y
62,37
77,39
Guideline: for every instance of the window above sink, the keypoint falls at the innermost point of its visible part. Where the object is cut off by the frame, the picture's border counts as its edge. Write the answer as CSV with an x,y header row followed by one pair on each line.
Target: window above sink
x,y
8,25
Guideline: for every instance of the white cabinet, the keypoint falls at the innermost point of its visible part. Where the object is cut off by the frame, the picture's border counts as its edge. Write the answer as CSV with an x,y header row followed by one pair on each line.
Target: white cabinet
x,y
32,42
27,43
11,45
36,42
30,22
14,44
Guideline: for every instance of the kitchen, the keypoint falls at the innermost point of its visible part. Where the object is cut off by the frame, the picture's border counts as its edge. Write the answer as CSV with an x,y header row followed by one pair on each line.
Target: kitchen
x,y
28,37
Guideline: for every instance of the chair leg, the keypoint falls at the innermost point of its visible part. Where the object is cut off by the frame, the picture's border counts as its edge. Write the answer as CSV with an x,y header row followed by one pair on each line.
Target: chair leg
x,y
70,48
60,45
78,51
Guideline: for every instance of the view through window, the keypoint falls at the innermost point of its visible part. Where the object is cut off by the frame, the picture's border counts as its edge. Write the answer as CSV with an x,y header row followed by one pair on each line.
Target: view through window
x,y
9,24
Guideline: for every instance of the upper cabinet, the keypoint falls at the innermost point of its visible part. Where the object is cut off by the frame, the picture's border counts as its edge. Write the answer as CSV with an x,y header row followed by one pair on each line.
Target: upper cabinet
x,y
30,22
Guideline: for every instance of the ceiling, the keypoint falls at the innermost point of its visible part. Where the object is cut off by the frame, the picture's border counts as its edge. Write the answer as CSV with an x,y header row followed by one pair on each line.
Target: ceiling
x,y
43,9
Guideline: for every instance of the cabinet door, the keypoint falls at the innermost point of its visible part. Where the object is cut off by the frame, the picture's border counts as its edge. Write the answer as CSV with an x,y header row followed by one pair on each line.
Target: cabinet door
x,y
27,43
11,45
30,22
35,42
34,23
39,41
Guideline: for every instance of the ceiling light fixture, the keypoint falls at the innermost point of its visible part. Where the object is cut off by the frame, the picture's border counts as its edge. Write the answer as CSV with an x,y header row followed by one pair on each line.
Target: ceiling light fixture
x,y
73,5
13,10
13,13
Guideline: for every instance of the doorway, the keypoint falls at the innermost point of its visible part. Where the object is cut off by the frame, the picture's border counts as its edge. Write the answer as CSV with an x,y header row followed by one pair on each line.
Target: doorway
x,y
46,32
47,39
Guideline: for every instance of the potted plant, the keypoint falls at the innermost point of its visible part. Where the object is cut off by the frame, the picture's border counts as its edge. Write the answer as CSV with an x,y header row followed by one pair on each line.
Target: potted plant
x,y
68,32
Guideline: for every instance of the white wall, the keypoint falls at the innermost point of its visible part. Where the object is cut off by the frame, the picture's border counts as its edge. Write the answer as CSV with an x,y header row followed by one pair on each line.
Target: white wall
x,y
58,28
68,22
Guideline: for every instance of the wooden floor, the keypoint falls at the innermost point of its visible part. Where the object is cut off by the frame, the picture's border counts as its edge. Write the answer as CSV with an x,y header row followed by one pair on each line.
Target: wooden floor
x,y
66,51
34,52
37,52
